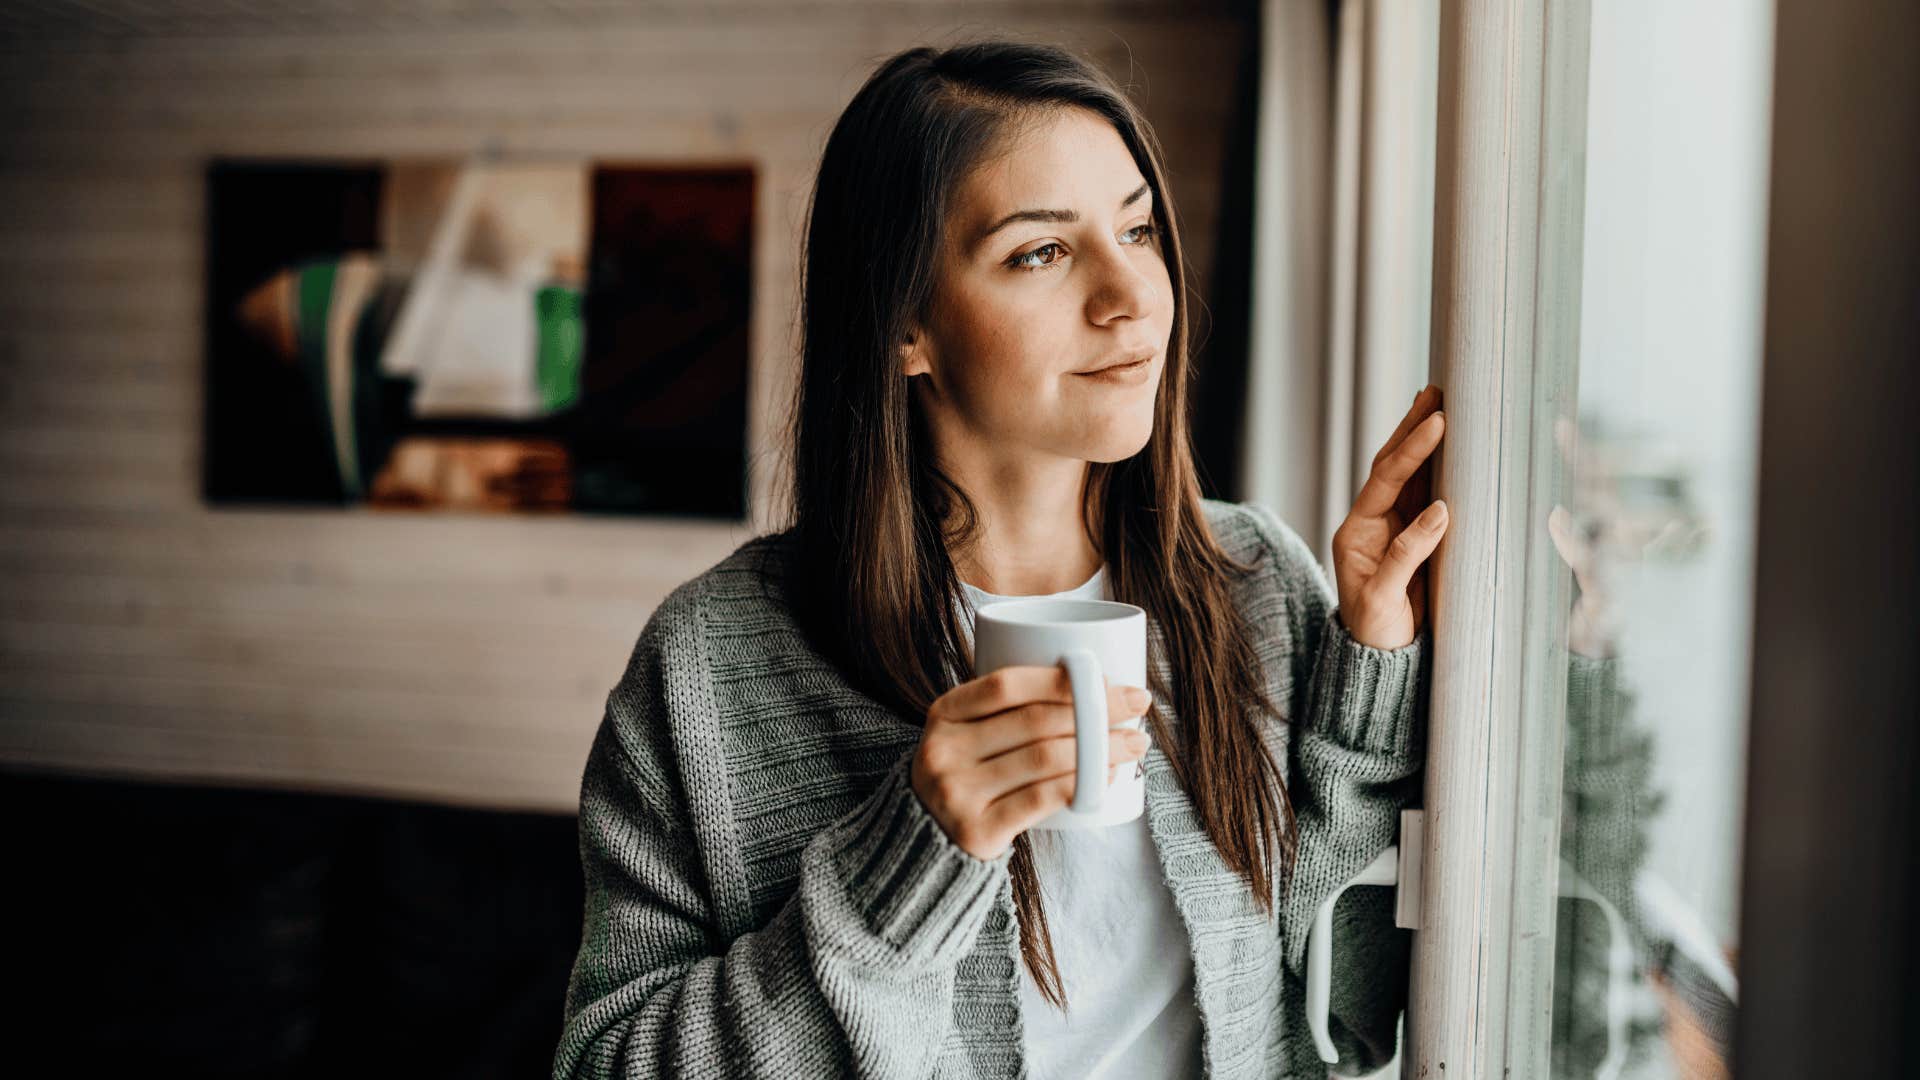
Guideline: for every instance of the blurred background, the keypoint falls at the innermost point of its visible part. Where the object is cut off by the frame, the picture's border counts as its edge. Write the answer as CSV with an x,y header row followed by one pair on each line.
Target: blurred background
x,y
368,372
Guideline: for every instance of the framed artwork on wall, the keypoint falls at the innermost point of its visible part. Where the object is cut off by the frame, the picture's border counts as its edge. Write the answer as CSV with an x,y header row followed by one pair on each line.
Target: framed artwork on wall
x,y
533,335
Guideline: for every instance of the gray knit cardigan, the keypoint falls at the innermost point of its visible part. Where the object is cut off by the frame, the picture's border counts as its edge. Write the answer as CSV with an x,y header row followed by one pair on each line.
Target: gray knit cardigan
x,y
766,896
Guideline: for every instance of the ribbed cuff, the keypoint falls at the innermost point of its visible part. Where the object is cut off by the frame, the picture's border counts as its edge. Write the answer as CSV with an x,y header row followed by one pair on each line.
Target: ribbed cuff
x,y
917,889
1597,708
1367,699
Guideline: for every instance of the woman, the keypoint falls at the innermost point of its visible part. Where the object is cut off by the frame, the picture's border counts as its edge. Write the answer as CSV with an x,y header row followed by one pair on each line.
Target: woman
x,y
803,832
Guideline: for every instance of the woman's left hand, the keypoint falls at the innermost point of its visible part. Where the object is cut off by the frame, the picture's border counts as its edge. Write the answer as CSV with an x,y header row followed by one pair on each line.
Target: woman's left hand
x,y
1380,550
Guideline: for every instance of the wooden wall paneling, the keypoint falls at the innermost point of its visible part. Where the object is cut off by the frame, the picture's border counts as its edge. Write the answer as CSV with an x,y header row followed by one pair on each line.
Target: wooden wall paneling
x,y
458,658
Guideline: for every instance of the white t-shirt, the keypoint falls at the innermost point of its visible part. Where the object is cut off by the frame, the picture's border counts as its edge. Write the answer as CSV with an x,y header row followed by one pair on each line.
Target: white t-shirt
x,y
1123,952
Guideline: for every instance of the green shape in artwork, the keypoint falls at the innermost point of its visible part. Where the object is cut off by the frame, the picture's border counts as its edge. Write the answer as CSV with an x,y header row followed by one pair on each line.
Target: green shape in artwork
x,y
558,312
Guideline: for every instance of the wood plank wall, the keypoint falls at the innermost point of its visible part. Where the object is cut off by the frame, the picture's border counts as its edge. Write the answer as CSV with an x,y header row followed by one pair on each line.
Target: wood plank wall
x,y
463,659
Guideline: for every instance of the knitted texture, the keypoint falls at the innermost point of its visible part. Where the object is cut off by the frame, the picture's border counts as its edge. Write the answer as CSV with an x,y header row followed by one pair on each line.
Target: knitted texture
x,y
1608,803
766,896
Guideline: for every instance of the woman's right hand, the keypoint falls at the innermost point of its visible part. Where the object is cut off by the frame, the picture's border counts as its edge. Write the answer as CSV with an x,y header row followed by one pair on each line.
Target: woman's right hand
x,y
997,753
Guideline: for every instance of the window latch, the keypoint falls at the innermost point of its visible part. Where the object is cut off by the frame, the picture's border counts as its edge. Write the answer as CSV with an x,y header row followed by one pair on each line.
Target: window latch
x,y
1399,867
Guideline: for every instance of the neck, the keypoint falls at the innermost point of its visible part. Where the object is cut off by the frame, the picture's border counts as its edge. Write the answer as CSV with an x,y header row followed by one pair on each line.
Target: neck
x,y
1032,539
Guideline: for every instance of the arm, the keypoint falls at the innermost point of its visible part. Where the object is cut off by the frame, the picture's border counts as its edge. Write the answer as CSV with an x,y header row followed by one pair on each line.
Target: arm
x,y
1605,810
1608,783
1354,762
852,975
1606,777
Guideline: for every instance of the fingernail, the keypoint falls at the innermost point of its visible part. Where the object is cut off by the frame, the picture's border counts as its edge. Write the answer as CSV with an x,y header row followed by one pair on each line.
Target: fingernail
x,y
1138,699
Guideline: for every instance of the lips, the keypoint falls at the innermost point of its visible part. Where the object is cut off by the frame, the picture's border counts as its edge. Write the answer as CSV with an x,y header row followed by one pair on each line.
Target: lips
x,y
1121,360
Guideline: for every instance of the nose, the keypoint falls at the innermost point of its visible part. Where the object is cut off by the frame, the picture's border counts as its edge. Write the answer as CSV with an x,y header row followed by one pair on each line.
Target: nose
x,y
1122,287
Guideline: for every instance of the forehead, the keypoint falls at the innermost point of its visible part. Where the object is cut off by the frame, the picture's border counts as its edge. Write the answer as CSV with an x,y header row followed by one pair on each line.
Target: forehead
x,y
1064,159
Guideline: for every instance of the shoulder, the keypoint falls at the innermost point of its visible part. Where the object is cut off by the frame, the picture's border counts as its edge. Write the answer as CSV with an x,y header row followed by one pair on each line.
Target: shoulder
x,y
676,636
665,697
1251,532
1285,595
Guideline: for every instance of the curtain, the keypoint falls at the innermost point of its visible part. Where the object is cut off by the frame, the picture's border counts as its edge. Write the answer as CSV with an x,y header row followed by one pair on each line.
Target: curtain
x,y
1342,249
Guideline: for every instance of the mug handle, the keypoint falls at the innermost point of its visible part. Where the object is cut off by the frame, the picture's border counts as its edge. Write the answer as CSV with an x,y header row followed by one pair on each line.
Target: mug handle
x,y
1089,729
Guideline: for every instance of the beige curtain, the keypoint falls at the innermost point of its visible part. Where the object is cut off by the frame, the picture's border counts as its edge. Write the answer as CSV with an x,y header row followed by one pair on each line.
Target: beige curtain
x,y
1342,265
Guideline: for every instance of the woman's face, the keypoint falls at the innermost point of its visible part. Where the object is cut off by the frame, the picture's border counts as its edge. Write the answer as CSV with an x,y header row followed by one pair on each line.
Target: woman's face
x,y
1051,266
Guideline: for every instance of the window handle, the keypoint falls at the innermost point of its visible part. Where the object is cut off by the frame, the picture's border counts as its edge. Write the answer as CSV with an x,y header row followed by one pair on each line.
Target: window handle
x,y
1392,868
1619,970
1398,864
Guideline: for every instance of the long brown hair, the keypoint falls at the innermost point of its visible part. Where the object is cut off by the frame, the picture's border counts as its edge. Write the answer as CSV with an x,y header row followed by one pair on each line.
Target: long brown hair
x,y
874,517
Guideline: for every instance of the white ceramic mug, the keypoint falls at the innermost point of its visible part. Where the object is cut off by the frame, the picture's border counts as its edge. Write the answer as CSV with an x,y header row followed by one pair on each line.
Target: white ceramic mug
x,y
1092,639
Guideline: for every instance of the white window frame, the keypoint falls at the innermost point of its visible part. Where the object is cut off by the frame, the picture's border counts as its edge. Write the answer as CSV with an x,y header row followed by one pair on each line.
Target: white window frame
x,y
1509,131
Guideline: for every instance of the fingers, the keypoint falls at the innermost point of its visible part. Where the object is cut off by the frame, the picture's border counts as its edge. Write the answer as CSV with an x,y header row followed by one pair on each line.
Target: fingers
x,y
1000,690
1393,468
1050,758
1029,800
1019,685
1424,402
1411,548
1573,550
1012,812
1005,742
1034,721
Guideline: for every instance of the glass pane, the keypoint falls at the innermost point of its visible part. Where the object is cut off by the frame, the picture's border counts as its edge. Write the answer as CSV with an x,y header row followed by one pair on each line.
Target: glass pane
x,y
1658,260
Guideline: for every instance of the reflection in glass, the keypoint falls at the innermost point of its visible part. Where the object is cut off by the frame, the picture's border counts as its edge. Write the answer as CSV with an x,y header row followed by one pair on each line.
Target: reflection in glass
x,y
1657,462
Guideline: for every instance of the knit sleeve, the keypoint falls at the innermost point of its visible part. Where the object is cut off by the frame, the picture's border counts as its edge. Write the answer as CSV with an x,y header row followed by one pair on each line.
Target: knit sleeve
x,y
1355,758
852,975
1608,798
1607,804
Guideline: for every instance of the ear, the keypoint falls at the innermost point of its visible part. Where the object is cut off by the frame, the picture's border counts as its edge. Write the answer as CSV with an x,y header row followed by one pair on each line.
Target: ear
x,y
915,353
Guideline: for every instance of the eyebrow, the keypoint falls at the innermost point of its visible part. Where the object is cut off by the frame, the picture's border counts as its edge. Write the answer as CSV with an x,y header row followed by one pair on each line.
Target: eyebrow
x,y
1052,215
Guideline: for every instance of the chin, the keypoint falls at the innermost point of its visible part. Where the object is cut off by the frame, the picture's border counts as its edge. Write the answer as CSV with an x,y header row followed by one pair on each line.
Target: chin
x,y
1121,444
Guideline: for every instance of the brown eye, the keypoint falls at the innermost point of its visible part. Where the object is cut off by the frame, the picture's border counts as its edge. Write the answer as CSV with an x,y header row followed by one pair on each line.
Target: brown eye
x,y
1020,262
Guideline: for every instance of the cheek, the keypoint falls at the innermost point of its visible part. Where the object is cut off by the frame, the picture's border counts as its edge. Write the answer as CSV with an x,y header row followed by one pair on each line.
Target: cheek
x,y
1163,284
1007,344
